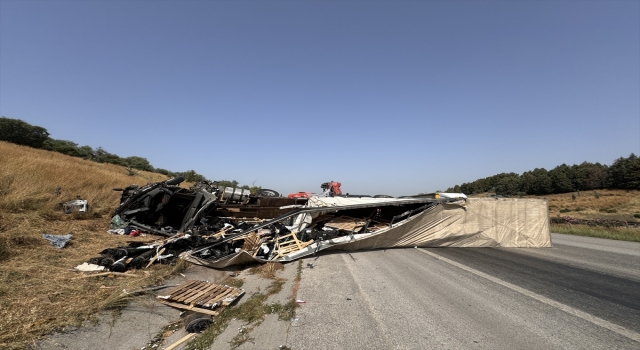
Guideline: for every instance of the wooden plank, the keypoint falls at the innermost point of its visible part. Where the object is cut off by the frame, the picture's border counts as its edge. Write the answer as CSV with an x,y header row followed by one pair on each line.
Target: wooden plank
x,y
202,299
182,340
181,288
188,307
216,298
221,296
195,289
211,289
185,293
155,257
108,273
233,298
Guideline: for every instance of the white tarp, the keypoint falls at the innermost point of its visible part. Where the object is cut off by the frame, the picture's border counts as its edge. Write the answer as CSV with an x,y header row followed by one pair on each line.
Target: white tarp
x,y
475,222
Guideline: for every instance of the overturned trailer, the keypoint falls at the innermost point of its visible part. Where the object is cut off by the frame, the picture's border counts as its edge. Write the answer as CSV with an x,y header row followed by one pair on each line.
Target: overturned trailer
x,y
475,222
218,227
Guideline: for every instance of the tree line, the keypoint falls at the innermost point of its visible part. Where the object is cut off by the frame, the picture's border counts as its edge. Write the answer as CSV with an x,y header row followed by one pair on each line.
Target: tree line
x,y
624,173
22,133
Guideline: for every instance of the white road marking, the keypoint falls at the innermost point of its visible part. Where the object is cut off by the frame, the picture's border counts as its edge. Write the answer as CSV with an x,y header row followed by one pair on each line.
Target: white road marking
x,y
568,309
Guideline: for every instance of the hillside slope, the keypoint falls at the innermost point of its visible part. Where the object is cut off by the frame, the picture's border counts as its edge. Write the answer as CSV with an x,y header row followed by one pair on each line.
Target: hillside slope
x,y
38,293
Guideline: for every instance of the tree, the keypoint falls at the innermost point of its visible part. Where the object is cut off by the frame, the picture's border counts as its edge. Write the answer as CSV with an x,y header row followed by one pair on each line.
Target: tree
x,y
22,133
560,181
624,173
138,163
163,172
508,185
102,156
86,152
62,146
191,176
227,183
536,182
597,177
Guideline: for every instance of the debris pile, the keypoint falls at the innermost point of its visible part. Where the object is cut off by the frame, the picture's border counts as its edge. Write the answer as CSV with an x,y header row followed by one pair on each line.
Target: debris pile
x,y
218,226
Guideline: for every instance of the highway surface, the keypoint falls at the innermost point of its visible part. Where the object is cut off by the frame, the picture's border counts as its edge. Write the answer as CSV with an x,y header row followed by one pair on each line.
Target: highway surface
x,y
584,293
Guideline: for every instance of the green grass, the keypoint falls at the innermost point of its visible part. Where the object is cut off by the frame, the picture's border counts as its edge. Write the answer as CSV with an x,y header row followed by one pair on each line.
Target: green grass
x,y
619,233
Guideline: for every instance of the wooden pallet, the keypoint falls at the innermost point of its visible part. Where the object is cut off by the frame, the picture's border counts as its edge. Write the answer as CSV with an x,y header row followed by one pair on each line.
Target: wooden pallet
x,y
346,223
288,244
200,296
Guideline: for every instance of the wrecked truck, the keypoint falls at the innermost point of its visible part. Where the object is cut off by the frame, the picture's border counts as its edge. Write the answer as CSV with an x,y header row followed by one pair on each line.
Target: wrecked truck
x,y
217,226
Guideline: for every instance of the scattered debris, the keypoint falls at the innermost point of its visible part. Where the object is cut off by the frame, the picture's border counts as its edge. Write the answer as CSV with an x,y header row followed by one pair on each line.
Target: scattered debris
x,y
109,274
85,267
78,205
58,241
195,322
182,340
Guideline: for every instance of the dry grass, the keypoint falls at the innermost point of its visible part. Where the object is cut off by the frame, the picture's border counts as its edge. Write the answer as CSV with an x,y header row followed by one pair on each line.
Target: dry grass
x,y
268,270
38,293
608,204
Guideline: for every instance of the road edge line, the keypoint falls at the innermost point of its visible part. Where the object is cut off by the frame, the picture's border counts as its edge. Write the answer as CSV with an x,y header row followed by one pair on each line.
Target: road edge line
x,y
568,309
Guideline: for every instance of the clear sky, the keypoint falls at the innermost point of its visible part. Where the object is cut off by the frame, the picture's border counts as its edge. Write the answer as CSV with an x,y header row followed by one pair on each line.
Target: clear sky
x,y
387,97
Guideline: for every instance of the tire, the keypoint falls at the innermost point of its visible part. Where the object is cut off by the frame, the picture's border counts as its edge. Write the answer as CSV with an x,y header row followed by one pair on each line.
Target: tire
x,y
267,193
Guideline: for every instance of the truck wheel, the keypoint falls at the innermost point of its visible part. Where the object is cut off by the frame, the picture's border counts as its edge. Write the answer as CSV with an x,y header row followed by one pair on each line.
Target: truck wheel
x,y
267,193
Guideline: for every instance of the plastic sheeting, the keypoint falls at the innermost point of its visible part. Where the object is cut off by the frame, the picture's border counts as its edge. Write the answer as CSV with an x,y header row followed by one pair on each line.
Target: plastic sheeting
x,y
474,222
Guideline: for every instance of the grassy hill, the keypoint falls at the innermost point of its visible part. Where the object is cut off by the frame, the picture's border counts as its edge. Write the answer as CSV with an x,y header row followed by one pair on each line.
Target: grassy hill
x,y
38,293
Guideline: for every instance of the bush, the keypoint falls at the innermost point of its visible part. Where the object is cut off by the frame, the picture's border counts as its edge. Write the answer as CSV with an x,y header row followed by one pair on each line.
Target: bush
x,y
608,210
637,216
565,210
22,133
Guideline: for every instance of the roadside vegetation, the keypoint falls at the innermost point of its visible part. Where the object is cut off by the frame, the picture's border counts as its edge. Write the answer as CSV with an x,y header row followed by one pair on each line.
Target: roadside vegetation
x,y
38,293
619,233
19,132
623,174
252,311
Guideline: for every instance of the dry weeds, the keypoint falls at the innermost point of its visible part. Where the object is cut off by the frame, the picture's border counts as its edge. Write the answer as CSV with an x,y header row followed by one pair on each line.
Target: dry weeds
x,y
606,204
38,293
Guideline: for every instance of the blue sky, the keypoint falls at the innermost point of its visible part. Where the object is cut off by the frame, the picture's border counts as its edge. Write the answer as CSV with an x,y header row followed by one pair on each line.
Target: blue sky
x,y
387,97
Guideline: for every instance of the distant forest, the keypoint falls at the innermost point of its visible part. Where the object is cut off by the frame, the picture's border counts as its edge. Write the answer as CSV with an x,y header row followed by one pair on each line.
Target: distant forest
x,y
22,133
624,173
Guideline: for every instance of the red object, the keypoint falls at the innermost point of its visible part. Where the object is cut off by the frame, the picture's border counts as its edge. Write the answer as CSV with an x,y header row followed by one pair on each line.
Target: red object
x,y
300,195
134,233
335,187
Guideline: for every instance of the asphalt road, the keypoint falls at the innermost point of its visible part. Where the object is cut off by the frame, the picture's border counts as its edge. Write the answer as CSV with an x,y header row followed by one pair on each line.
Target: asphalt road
x,y
584,293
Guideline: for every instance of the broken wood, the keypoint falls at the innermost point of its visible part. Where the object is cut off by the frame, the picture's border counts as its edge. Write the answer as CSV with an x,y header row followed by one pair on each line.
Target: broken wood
x,y
107,274
189,307
184,339
155,257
